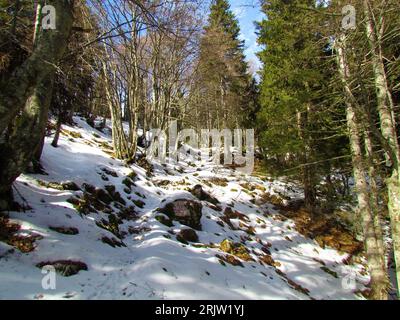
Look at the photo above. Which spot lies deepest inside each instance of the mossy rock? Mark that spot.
(132, 175)
(50, 185)
(112, 225)
(65, 230)
(187, 212)
(103, 196)
(229, 259)
(187, 235)
(83, 206)
(236, 249)
(128, 213)
(128, 183)
(139, 203)
(164, 220)
(115, 195)
(200, 194)
(73, 134)
(222, 182)
(110, 172)
(89, 188)
(112, 242)
(70, 185)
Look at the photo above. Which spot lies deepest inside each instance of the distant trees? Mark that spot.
(224, 90)
(146, 63)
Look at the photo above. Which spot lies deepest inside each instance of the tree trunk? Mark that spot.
(49, 48)
(374, 253)
(23, 138)
(307, 175)
(54, 143)
(388, 129)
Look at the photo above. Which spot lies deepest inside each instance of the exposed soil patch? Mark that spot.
(9, 234)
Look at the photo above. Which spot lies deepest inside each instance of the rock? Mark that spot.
(65, 230)
(89, 188)
(236, 249)
(229, 259)
(187, 212)
(112, 242)
(110, 172)
(115, 195)
(70, 185)
(66, 268)
(139, 203)
(188, 235)
(230, 214)
(164, 220)
(227, 246)
(200, 194)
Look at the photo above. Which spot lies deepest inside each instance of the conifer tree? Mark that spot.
(223, 79)
(295, 79)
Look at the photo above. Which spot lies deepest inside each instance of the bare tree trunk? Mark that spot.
(388, 129)
(54, 143)
(308, 178)
(374, 253)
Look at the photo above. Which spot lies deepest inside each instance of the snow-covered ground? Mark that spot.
(153, 264)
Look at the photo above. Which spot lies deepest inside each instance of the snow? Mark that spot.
(154, 265)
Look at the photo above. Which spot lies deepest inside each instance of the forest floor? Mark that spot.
(109, 240)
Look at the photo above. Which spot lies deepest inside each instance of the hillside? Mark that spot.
(113, 227)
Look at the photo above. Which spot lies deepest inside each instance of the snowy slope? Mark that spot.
(153, 264)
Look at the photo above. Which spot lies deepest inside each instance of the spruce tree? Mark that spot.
(294, 117)
(223, 80)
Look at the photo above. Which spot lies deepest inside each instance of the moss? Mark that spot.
(229, 259)
(111, 225)
(132, 175)
(82, 206)
(236, 249)
(222, 182)
(128, 213)
(139, 203)
(8, 234)
(164, 220)
(73, 134)
(50, 185)
(181, 239)
(140, 195)
(128, 182)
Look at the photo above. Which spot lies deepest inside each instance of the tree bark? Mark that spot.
(374, 251)
(23, 138)
(49, 48)
(388, 129)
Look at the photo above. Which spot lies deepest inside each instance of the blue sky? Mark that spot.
(248, 11)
